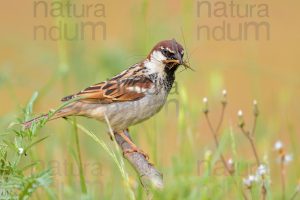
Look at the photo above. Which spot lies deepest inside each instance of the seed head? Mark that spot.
(278, 146)
(224, 98)
(255, 108)
(230, 164)
(262, 170)
(224, 92)
(205, 105)
(240, 113)
(20, 150)
(287, 158)
(241, 118)
(250, 180)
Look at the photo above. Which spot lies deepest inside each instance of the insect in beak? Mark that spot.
(186, 66)
(178, 62)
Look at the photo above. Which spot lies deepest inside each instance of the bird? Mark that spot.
(130, 97)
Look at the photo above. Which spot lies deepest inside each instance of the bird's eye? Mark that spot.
(165, 52)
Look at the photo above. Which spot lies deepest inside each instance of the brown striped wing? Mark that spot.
(128, 89)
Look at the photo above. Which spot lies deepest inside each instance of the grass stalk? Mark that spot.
(295, 194)
(81, 173)
(111, 153)
(282, 176)
(121, 160)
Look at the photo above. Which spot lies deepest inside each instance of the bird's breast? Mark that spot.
(124, 114)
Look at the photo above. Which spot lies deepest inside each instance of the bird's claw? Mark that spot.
(136, 150)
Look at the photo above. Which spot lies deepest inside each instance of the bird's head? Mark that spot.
(166, 55)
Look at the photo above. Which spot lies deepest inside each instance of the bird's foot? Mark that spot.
(136, 150)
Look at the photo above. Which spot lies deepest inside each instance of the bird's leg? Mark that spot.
(133, 148)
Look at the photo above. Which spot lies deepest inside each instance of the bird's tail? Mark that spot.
(67, 111)
(28, 124)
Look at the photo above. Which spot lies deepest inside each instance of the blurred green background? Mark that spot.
(178, 137)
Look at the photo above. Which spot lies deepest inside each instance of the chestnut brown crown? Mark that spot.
(171, 49)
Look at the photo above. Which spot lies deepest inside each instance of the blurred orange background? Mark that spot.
(265, 70)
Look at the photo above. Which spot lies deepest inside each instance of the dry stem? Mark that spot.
(295, 194)
(250, 136)
(215, 136)
(282, 174)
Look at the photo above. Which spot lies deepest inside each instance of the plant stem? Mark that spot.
(254, 126)
(217, 143)
(282, 174)
(221, 117)
(264, 191)
(111, 153)
(250, 139)
(125, 174)
(295, 194)
(215, 136)
(82, 179)
(250, 136)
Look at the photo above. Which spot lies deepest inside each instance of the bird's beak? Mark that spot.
(179, 58)
(176, 60)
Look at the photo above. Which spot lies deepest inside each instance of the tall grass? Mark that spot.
(222, 170)
(181, 146)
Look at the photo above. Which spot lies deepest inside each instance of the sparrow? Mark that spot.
(131, 97)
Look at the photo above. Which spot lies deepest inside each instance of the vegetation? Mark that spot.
(206, 147)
